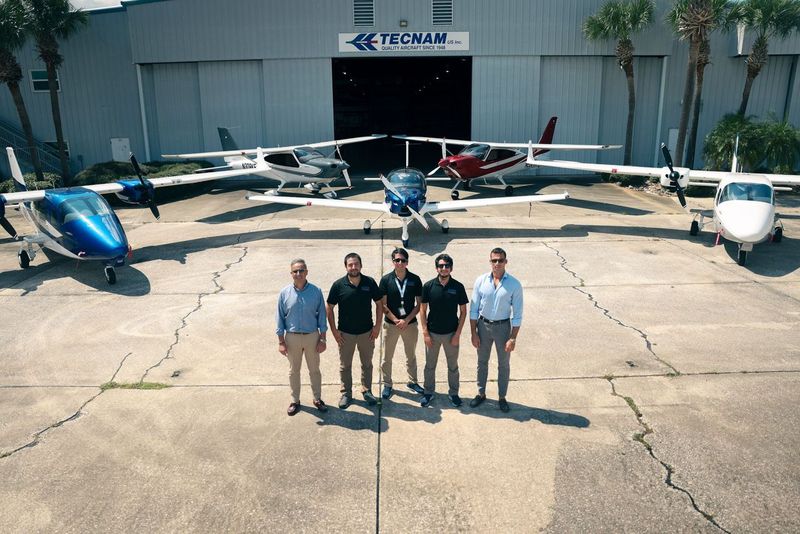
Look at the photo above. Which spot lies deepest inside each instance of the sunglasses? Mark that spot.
(444, 266)
(298, 271)
(498, 260)
(400, 260)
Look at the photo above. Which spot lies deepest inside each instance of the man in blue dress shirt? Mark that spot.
(495, 317)
(301, 326)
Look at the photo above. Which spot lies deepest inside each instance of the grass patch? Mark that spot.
(133, 385)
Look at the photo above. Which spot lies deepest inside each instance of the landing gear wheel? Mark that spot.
(509, 190)
(454, 195)
(405, 242)
(24, 259)
(111, 275)
(742, 257)
(445, 226)
(694, 228)
(367, 227)
(777, 235)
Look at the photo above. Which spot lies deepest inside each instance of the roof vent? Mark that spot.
(364, 12)
(442, 12)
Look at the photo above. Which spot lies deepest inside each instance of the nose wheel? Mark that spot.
(111, 275)
(24, 259)
(367, 226)
(509, 190)
(742, 257)
(454, 195)
(445, 226)
(777, 235)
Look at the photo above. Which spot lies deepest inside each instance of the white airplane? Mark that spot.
(744, 203)
(300, 164)
(405, 197)
(487, 159)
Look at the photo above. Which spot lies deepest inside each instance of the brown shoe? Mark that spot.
(319, 404)
(293, 408)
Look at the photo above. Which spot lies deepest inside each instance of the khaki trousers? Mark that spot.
(366, 347)
(391, 335)
(296, 346)
(431, 359)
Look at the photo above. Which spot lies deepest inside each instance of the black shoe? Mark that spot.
(504, 407)
(370, 398)
(320, 405)
(345, 401)
(474, 403)
(425, 401)
(416, 388)
(455, 400)
(293, 408)
(386, 393)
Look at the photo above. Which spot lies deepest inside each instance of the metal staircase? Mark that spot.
(14, 137)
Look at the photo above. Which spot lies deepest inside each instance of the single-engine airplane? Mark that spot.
(300, 164)
(405, 197)
(744, 203)
(486, 160)
(77, 222)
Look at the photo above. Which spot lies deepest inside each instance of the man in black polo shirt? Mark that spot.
(353, 294)
(401, 291)
(442, 313)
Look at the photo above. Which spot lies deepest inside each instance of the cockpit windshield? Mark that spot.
(475, 150)
(403, 178)
(82, 207)
(305, 154)
(746, 191)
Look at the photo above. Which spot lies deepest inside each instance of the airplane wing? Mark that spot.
(493, 144)
(327, 202)
(451, 205)
(696, 177)
(274, 150)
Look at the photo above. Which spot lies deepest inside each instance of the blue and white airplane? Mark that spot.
(405, 197)
(77, 222)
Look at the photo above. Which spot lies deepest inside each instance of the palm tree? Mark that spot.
(768, 18)
(48, 21)
(620, 20)
(12, 37)
(694, 21)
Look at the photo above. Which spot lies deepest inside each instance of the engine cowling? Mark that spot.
(668, 182)
(134, 192)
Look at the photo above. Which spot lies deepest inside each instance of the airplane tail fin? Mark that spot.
(226, 139)
(547, 136)
(16, 172)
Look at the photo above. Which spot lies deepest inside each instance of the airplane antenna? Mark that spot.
(735, 159)
(407, 145)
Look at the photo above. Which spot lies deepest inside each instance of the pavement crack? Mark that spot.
(198, 306)
(37, 436)
(641, 437)
(607, 313)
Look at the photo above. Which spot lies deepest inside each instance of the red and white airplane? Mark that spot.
(493, 160)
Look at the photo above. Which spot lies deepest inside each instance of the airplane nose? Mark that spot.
(746, 221)
(444, 162)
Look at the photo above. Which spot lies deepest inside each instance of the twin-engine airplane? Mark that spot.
(300, 164)
(744, 203)
(405, 197)
(493, 160)
(77, 222)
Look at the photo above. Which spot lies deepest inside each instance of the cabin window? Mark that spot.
(284, 159)
(746, 191)
(499, 154)
(475, 150)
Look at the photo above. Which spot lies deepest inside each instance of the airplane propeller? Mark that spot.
(414, 213)
(673, 175)
(151, 202)
(344, 171)
(4, 222)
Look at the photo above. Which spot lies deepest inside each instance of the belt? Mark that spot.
(302, 333)
(487, 321)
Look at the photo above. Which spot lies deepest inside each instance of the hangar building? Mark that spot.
(159, 76)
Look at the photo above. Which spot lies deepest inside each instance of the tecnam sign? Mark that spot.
(373, 42)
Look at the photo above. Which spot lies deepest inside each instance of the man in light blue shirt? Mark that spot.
(301, 327)
(495, 317)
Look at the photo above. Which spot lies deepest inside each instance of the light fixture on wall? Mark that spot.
(403, 23)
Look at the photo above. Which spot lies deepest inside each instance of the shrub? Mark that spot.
(111, 171)
(769, 146)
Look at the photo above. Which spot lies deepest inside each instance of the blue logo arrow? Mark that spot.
(364, 41)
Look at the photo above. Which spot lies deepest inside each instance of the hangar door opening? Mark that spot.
(429, 96)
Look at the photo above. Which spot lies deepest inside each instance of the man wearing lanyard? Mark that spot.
(301, 328)
(353, 294)
(401, 291)
(442, 313)
(495, 318)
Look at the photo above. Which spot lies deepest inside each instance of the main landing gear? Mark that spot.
(367, 226)
(24, 259)
(742, 257)
(777, 234)
(694, 228)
